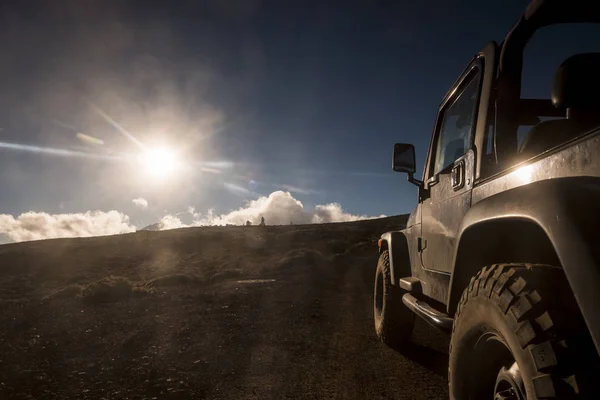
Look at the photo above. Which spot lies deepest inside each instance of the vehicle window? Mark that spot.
(523, 130)
(540, 61)
(540, 64)
(456, 128)
(489, 140)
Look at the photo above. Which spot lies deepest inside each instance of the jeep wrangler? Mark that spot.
(501, 251)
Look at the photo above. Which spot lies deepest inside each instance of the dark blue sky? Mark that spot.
(303, 94)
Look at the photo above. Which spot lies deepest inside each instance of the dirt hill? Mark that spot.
(212, 312)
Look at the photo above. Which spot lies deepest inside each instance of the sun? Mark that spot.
(159, 162)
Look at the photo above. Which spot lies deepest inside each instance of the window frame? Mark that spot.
(475, 70)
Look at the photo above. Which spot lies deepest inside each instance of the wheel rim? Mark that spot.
(379, 293)
(509, 384)
(496, 373)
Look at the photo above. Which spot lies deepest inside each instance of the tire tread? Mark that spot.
(396, 320)
(521, 292)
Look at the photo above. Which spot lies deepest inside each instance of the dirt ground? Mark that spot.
(206, 313)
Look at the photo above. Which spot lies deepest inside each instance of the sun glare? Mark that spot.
(525, 174)
(159, 162)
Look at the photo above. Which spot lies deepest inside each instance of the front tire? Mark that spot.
(518, 334)
(394, 322)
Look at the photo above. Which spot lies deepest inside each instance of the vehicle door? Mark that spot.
(449, 173)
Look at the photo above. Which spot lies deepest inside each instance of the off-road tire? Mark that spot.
(394, 322)
(530, 308)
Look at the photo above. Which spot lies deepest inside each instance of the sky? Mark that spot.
(116, 115)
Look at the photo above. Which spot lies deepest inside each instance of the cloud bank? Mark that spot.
(39, 225)
(279, 208)
(140, 202)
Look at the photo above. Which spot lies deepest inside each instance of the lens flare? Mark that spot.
(89, 139)
(58, 152)
(114, 123)
(211, 170)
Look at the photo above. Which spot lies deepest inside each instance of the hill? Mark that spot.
(209, 312)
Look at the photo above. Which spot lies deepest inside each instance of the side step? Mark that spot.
(410, 284)
(432, 316)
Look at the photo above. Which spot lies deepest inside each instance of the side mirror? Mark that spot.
(404, 158)
(404, 161)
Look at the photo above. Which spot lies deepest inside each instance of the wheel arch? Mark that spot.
(495, 241)
(551, 222)
(396, 243)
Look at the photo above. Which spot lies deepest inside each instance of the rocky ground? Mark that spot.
(206, 313)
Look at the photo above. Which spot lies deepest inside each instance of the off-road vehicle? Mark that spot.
(502, 250)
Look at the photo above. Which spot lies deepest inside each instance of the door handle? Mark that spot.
(458, 175)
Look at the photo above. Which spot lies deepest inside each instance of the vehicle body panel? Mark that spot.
(576, 158)
(414, 217)
(405, 261)
(442, 213)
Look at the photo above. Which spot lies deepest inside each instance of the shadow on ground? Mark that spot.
(434, 360)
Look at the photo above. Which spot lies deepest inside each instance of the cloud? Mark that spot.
(39, 225)
(333, 212)
(239, 190)
(279, 208)
(299, 190)
(171, 222)
(140, 202)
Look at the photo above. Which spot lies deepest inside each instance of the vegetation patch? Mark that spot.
(67, 292)
(172, 280)
(361, 248)
(112, 289)
(302, 257)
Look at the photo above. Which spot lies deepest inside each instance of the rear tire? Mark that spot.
(518, 334)
(394, 322)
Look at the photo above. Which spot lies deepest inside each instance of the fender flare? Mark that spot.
(396, 243)
(567, 211)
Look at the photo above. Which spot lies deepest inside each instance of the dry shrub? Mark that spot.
(111, 289)
(67, 292)
(361, 248)
(106, 290)
(336, 246)
(300, 257)
(172, 280)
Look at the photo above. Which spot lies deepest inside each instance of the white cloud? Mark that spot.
(299, 190)
(240, 190)
(333, 212)
(171, 222)
(39, 225)
(140, 202)
(279, 208)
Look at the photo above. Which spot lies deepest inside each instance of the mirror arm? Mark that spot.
(423, 193)
(414, 181)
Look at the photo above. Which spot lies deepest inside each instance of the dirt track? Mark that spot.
(193, 322)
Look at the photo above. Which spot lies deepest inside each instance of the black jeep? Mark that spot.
(501, 250)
